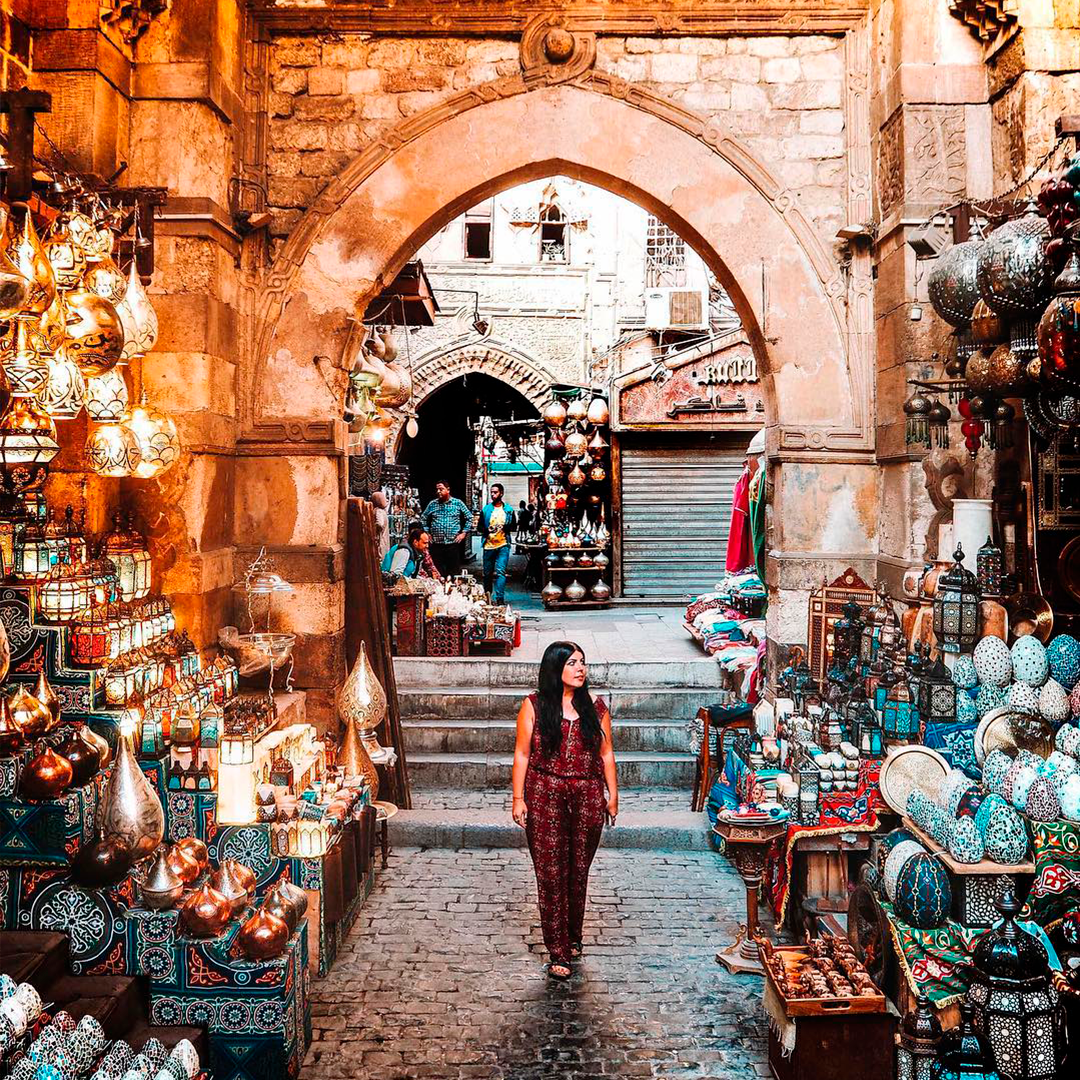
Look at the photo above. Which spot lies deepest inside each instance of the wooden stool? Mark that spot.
(703, 776)
(384, 811)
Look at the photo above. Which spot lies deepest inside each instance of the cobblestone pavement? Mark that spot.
(656, 798)
(442, 976)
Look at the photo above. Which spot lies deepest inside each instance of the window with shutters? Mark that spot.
(478, 232)
(553, 239)
(665, 256)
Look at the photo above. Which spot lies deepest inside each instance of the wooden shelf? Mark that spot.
(986, 866)
(571, 569)
(577, 603)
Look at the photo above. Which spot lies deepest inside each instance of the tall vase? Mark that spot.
(355, 760)
(973, 522)
(130, 809)
(5, 652)
(363, 701)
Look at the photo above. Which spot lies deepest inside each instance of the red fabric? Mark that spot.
(740, 549)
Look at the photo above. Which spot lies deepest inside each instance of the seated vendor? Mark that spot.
(412, 558)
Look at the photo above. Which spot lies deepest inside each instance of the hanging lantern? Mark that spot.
(964, 1054)
(111, 450)
(870, 638)
(64, 393)
(952, 286)
(555, 414)
(34, 556)
(24, 365)
(937, 694)
(917, 410)
(990, 567)
(987, 327)
(899, 713)
(14, 288)
(1058, 333)
(83, 231)
(66, 593)
(1016, 1003)
(977, 373)
(33, 264)
(67, 258)
(938, 422)
(598, 414)
(105, 278)
(576, 476)
(1014, 275)
(956, 607)
(95, 335)
(1008, 372)
(598, 474)
(597, 445)
(107, 396)
(138, 317)
(158, 442)
(577, 411)
(917, 1041)
(27, 445)
(576, 445)
(127, 551)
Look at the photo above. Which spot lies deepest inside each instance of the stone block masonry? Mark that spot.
(781, 96)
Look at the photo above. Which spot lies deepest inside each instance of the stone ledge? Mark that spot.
(82, 50)
(193, 80)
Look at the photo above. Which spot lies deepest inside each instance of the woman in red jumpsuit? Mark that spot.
(563, 762)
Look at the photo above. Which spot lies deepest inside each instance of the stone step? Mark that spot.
(502, 703)
(491, 770)
(497, 736)
(656, 830)
(420, 672)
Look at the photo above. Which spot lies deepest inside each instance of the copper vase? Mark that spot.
(205, 913)
(33, 718)
(45, 694)
(82, 758)
(130, 809)
(94, 740)
(194, 847)
(295, 896)
(11, 736)
(277, 904)
(183, 865)
(224, 881)
(362, 700)
(45, 776)
(355, 760)
(263, 936)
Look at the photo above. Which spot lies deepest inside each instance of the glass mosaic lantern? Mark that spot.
(66, 593)
(900, 713)
(963, 1053)
(956, 607)
(870, 638)
(809, 792)
(1015, 1001)
(864, 725)
(937, 695)
(847, 634)
(882, 686)
(917, 1041)
(34, 555)
(989, 568)
(125, 549)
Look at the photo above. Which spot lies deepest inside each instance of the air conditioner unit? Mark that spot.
(676, 309)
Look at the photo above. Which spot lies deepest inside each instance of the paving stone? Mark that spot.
(442, 975)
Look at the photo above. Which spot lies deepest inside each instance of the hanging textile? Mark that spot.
(740, 553)
(757, 520)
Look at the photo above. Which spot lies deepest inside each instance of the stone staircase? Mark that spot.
(458, 720)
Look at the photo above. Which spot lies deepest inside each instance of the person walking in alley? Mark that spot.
(563, 762)
(447, 520)
(496, 522)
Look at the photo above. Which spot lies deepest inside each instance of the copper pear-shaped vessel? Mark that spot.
(45, 776)
(82, 758)
(94, 740)
(31, 715)
(193, 846)
(244, 874)
(226, 883)
(355, 760)
(263, 936)
(11, 736)
(277, 904)
(183, 865)
(161, 888)
(130, 808)
(205, 913)
(362, 698)
(295, 896)
(45, 694)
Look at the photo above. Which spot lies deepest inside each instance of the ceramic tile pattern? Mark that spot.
(442, 976)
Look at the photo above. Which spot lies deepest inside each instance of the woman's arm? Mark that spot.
(525, 721)
(607, 757)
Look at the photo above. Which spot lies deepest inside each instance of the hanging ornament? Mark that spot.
(576, 476)
(105, 278)
(83, 231)
(952, 283)
(597, 446)
(1008, 374)
(555, 414)
(99, 243)
(598, 474)
(24, 365)
(65, 255)
(112, 450)
(555, 447)
(14, 288)
(27, 445)
(107, 395)
(96, 337)
(917, 410)
(987, 327)
(970, 428)
(31, 261)
(977, 373)
(983, 409)
(576, 444)
(50, 333)
(577, 411)
(1014, 275)
(64, 393)
(1059, 328)
(412, 427)
(938, 421)
(156, 438)
(138, 318)
(598, 413)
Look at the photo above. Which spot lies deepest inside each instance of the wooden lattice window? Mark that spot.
(665, 256)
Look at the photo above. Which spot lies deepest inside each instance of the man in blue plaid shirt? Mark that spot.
(448, 520)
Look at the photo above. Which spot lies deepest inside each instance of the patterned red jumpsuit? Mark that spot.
(564, 794)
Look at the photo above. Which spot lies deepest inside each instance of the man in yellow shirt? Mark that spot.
(496, 522)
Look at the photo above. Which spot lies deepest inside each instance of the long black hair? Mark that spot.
(550, 699)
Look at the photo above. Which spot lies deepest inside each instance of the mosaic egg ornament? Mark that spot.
(952, 790)
(1057, 763)
(887, 843)
(996, 765)
(993, 662)
(1042, 803)
(1018, 781)
(1005, 836)
(923, 893)
(899, 855)
(1068, 793)
(1029, 661)
(988, 699)
(920, 808)
(965, 844)
(940, 826)
(1023, 698)
(1067, 740)
(966, 713)
(1074, 702)
(964, 673)
(982, 816)
(7, 986)
(1053, 702)
(48, 1072)
(1063, 656)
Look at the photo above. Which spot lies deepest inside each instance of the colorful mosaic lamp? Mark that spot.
(900, 713)
(956, 607)
(964, 1054)
(989, 568)
(126, 550)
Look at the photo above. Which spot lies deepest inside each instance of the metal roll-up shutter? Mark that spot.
(676, 514)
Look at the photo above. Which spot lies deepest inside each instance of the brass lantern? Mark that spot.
(24, 364)
(34, 556)
(126, 550)
(158, 443)
(33, 263)
(111, 450)
(66, 593)
(956, 607)
(95, 334)
(64, 393)
(937, 694)
(138, 318)
(363, 702)
(27, 445)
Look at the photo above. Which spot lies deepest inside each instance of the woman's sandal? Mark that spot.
(560, 970)
(576, 949)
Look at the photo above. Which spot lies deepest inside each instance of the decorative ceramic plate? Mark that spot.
(1006, 729)
(909, 768)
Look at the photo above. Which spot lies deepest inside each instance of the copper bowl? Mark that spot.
(1029, 613)
(183, 865)
(263, 936)
(193, 846)
(45, 776)
(205, 913)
